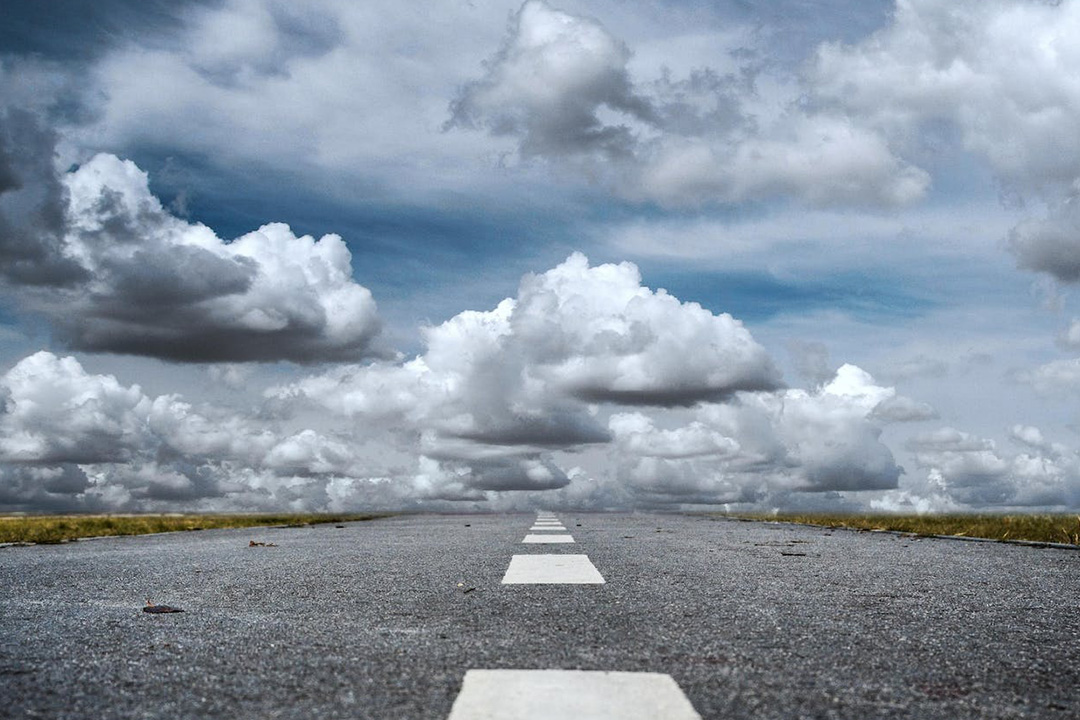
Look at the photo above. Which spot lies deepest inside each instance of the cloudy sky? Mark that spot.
(261, 255)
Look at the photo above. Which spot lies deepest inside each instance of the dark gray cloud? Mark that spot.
(528, 473)
(1051, 245)
(678, 395)
(182, 338)
(126, 276)
(33, 203)
(903, 409)
(46, 488)
(180, 276)
(554, 429)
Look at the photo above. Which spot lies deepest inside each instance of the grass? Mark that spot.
(61, 528)
(1035, 528)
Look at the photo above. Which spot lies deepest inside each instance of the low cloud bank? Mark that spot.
(73, 440)
(964, 470)
(586, 389)
(584, 364)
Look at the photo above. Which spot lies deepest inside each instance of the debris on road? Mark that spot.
(465, 590)
(150, 607)
(253, 543)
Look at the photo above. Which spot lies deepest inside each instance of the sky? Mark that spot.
(487, 255)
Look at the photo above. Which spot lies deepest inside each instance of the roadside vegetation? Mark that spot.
(1034, 528)
(61, 528)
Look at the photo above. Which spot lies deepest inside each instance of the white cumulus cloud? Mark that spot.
(975, 472)
(1002, 74)
(124, 275)
(762, 445)
(497, 391)
(69, 438)
(704, 139)
(548, 83)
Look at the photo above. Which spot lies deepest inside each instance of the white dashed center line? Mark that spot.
(548, 539)
(570, 695)
(552, 570)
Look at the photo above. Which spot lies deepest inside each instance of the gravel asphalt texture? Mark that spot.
(381, 619)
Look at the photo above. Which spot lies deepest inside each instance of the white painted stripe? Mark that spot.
(552, 570)
(547, 522)
(544, 527)
(548, 539)
(570, 695)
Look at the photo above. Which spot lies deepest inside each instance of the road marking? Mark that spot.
(548, 539)
(548, 522)
(552, 570)
(545, 527)
(570, 695)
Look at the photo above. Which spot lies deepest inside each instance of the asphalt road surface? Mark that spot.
(383, 619)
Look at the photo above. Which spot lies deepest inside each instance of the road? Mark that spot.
(383, 619)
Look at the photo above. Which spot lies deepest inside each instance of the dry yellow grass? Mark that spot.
(1034, 528)
(60, 528)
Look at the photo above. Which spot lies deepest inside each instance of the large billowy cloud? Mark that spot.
(762, 445)
(32, 205)
(559, 78)
(497, 393)
(1001, 74)
(95, 251)
(851, 129)
(548, 83)
(496, 390)
(70, 439)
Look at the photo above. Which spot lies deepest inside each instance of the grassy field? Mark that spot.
(60, 528)
(1035, 528)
